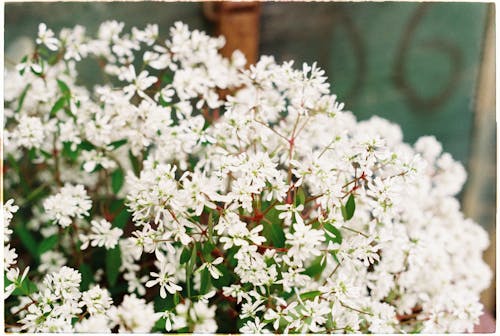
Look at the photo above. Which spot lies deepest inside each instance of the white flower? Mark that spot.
(51, 261)
(70, 202)
(289, 211)
(215, 154)
(94, 324)
(140, 82)
(304, 242)
(165, 278)
(29, 133)
(201, 315)
(102, 234)
(46, 37)
(97, 300)
(173, 321)
(211, 267)
(9, 257)
(133, 315)
(254, 327)
(13, 276)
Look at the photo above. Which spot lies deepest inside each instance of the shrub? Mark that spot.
(189, 193)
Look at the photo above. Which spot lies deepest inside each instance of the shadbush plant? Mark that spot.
(188, 193)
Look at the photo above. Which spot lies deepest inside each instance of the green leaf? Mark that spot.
(118, 143)
(159, 326)
(135, 163)
(177, 299)
(332, 233)
(23, 60)
(225, 279)
(348, 209)
(192, 260)
(113, 263)
(116, 205)
(27, 239)
(35, 193)
(189, 270)
(309, 295)
(58, 105)
(167, 78)
(207, 248)
(87, 276)
(21, 98)
(316, 268)
(300, 197)
(47, 244)
(163, 102)
(121, 219)
(274, 232)
(86, 145)
(68, 152)
(185, 255)
(117, 179)
(64, 89)
(204, 281)
(27, 287)
(13, 163)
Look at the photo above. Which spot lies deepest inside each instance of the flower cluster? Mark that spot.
(210, 196)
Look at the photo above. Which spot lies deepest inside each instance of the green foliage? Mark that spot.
(59, 104)
(117, 179)
(135, 163)
(47, 244)
(64, 89)
(316, 267)
(225, 279)
(118, 143)
(272, 230)
(22, 97)
(113, 263)
(121, 219)
(205, 281)
(185, 255)
(349, 208)
(87, 276)
(27, 239)
(309, 295)
(332, 233)
(26, 287)
(300, 196)
(68, 153)
(190, 268)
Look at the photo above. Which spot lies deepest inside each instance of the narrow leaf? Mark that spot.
(87, 276)
(349, 208)
(57, 106)
(185, 255)
(117, 180)
(26, 238)
(47, 244)
(309, 295)
(121, 219)
(300, 197)
(113, 263)
(21, 98)
(64, 88)
(204, 281)
(332, 233)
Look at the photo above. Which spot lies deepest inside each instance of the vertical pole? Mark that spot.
(239, 23)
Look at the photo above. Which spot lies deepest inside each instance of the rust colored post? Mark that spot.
(238, 22)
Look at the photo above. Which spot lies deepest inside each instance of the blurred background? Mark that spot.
(430, 67)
